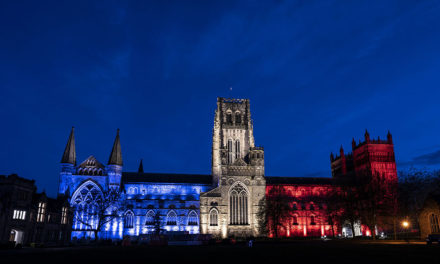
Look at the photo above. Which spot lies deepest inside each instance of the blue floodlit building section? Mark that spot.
(145, 199)
(146, 202)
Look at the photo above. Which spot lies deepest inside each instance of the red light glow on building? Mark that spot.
(308, 197)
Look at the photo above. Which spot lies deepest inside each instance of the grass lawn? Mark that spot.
(262, 252)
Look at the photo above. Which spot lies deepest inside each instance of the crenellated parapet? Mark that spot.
(368, 140)
(371, 156)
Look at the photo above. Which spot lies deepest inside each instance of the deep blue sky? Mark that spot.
(317, 74)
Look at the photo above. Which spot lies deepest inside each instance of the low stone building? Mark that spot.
(429, 216)
(29, 217)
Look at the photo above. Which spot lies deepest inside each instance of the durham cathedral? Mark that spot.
(229, 202)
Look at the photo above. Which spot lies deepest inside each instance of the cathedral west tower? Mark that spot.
(232, 207)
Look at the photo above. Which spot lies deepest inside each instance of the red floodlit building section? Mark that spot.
(308, 214)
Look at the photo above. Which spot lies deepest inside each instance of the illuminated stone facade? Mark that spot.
(144, 200)
(226, 203)
(232, 207)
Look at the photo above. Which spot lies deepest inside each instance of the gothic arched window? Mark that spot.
(150, 218)
(128, 220)
(238, 205)
(193, 219)
(213, 217)
(88, 193)
(433, 220)
(84, 201)
(171, 218)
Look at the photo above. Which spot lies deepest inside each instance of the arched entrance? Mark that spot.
(17, 236)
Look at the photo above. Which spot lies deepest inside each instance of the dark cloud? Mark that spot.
(432, 158)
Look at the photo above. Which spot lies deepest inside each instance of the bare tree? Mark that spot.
(349, 205)
(158, 225)
(376, 200)
(414, 187)
(103, 210)
(331, 204)
(277, 209)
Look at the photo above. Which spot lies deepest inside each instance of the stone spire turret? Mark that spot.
(141, 167)
(69, 155)
(116, 155)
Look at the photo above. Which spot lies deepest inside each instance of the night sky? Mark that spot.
(317, 73)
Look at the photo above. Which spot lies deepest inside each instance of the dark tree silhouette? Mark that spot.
(414, 187)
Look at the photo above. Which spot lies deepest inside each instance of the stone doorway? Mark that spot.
(16, 236)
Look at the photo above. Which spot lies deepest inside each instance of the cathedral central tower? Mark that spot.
(237, 172)
(233, 137)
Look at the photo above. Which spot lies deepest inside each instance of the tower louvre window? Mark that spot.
(229, 118)
(237, 118)
(230, 157)
(237, 149)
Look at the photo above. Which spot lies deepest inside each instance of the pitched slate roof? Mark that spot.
(299, 180)
(133, 177)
